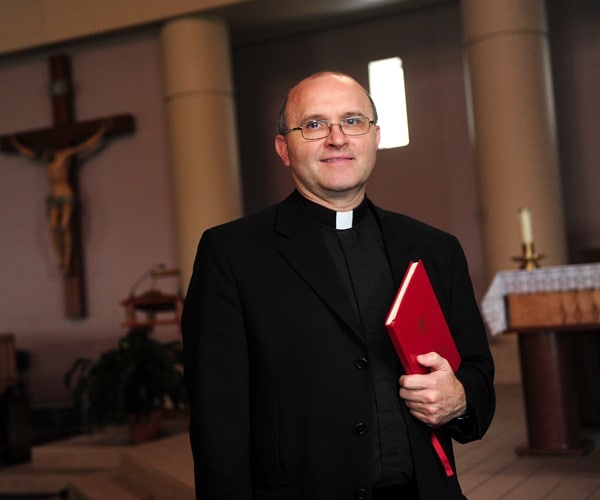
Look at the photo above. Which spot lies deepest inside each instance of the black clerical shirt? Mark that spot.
(359, 255)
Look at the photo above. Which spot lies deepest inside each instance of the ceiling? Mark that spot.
(41, 23)
(260, 19)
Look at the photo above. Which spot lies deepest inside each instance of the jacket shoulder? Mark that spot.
(249, 223)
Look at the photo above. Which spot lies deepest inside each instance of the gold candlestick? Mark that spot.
(529, 259)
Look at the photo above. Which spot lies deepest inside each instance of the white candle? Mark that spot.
(526, 234)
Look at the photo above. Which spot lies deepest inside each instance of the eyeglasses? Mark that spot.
(312, 130)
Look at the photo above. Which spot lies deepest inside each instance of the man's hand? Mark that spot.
(434, 398)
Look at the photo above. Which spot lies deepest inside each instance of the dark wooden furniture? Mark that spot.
(154, 306)
(543, 322)
(15, 421)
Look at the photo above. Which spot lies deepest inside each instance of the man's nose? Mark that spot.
(337, 136)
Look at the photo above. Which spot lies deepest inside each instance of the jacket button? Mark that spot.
(360, 429)
(360, 494)
(361, 363)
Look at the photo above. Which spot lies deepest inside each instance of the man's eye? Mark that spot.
(314, 125)
(353, 121)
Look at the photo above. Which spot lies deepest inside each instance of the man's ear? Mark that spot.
(282, 149)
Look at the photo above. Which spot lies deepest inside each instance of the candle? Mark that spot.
(525, 216)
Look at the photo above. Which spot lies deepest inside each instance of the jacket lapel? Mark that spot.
(302, 246)
(399, 244)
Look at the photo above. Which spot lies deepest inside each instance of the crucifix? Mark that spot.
(57, 147)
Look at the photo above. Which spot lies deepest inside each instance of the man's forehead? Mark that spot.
(324, 83)
(326, 94)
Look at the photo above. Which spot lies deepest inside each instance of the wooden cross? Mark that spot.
(58, 147)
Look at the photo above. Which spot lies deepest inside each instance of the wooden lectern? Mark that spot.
(151, 304)
(547, 308)
(542, 322)
(154, 302)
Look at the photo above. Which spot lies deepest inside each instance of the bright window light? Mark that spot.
(386, 85)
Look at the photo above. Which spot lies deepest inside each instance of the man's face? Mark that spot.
(332, 171)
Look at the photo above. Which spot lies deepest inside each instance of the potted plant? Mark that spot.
(132, 383)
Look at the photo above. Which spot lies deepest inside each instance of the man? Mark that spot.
(295, 389)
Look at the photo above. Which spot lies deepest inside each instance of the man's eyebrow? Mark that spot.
(313, 117)
(354, 113)
(317, 116)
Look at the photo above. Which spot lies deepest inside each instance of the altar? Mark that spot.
(544, 307)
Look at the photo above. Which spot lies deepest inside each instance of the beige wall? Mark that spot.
(128, 212)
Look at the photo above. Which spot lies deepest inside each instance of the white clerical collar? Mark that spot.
(343, 220)
(332, 219)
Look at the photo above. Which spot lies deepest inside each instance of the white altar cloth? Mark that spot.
(545, 279)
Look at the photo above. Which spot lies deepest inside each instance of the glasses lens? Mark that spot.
(319, 129)
(315, 129)
(355, 125)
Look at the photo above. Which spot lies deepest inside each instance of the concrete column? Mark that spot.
(514, 127)
(201, 130)
(516, 150)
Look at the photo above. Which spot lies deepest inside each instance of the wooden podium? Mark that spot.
(543, 322)
(151, 304)
(548, 309)
(154, 303)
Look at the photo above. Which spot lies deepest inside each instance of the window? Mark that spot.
(386, 86)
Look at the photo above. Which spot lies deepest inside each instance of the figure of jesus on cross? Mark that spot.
(61, 199)
(57, 147)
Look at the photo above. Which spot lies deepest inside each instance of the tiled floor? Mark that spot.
(490, 469)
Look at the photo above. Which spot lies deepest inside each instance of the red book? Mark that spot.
(416, 323)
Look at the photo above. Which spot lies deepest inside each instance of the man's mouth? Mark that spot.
(337, 159)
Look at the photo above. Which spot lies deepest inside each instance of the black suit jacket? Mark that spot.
(272, 364)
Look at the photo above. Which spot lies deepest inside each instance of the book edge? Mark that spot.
(412, 267)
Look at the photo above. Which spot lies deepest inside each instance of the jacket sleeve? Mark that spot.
(476, 372)
(216, 372)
